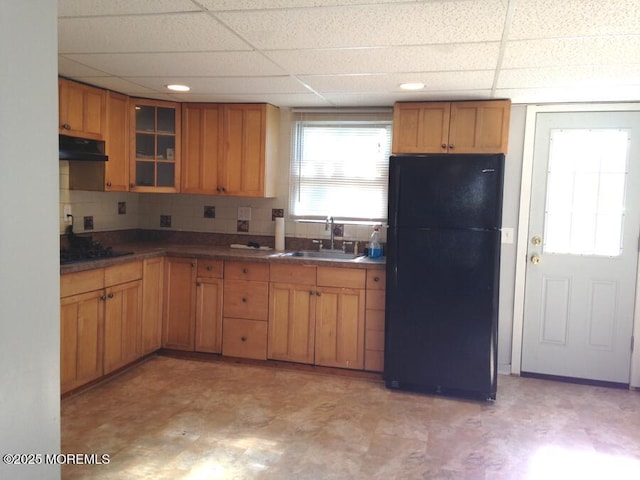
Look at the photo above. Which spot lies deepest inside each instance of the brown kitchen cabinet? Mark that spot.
(155, 146)
(292, 309)
(208, 311)
(374, 321)
(112, 175)
(202, 148)
(100, 312)
(178, 326)
(340, 315)
(451, 127)
(245, 309)
(81, 110)
(152, 297)
(229, 149)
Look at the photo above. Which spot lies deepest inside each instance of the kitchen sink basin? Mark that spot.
(322, 254)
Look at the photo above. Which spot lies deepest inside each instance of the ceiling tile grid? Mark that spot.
(355, 52)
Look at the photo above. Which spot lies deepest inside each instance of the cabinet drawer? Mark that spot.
(126, 272)
(297, 274)
(244, 338)
(80, 282)
(248, 300)
(210, 268)
(375, 299)
(341, 277)
(246, 271)
(376, 279)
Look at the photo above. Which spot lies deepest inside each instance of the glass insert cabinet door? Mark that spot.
(155, 145)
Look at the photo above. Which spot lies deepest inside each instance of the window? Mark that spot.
(340, 165)
(585, 193)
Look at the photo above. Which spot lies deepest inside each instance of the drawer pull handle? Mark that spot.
(243, 338)
(244, 299)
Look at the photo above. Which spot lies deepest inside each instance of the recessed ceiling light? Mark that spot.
(412, 86)
(179, 88)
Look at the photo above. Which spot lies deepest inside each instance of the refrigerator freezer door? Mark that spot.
(442, 308)
(446, 191)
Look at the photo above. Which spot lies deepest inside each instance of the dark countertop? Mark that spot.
(142, 251)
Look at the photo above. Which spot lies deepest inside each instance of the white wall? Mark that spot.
(29, 282)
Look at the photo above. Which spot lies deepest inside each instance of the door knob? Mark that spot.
(536, 240)
(535, 259)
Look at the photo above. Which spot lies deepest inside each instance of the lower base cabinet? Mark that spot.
(122, 322)
(152, 288)
(208, 311)
(244, 338)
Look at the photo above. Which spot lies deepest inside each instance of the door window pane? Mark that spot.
(586, 182)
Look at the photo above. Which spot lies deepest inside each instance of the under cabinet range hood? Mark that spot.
(82, 149)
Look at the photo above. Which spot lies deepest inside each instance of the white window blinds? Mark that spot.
(340, 165)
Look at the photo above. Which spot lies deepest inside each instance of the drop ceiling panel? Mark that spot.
(388, 99)
(67, 8)
(277, 4)
(281, 100)
(391, 82)
(415, 58)
(74, 69)
(370, 25)
(226, 85)
(146, 33)
(575, 76)
(181, 64)
(574, 94)
(572, 51)
(567, 18)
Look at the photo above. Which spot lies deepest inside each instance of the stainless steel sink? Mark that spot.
(327, 254)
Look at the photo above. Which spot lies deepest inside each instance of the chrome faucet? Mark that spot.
(329, 224)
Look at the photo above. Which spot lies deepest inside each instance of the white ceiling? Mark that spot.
(355, 52)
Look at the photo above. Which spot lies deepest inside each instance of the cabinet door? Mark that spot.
(81, 110)
(243, 170)
(122, 322)
(81, 330)
(208, 315)
(479, 127)
(179, 302)
(155, 146)
(152, 284)
(291, 322)
(420, 127)
(340, 327)
(117, 143)
(201, 148)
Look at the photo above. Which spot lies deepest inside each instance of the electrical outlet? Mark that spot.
(66, 214)
(244, 213)
(507, 235)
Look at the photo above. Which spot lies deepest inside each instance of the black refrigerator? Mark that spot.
(443, 266)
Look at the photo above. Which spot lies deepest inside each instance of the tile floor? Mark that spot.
(174, 419)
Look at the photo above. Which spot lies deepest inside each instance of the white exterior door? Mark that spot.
(583, 246)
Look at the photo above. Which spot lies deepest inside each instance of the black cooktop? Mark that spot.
(84, 249)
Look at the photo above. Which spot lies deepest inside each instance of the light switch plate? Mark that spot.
(244, 213)
(66, 212)
(507, 235)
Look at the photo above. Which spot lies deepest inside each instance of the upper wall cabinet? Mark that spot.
(451, 127)
(155, 146)
(81, 110)
(230, 149)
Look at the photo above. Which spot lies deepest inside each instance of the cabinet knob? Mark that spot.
(209, 268)
(224, 190)
(193, 264)
(376, 279)
(103, 298)
(244, 299)
(243, 338)
(451, 146)
(132, 185)
(318, 294)
(444, 145)
(108, 184)
(110, 295)
(245, 270)
(198, 284)
(218, 189)
(66, 126)
(311, 292)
